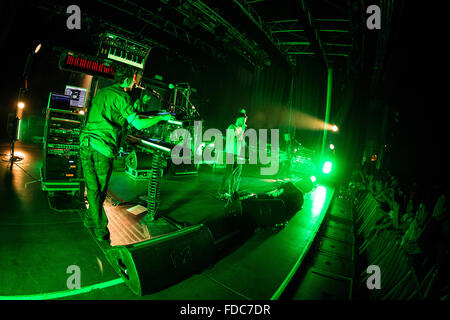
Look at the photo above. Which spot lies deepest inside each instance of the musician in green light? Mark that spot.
(108, 115)
(233, 150)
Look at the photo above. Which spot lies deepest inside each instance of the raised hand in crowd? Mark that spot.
(440, 207)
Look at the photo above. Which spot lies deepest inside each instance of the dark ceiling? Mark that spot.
(259, 31)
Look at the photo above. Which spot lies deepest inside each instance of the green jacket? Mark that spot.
(110, 109)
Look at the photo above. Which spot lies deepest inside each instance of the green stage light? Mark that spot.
(332, 146)
(313, 178)
(318, 200)
(327, 167)
(18, 129)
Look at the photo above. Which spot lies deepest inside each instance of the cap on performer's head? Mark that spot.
(241, 114)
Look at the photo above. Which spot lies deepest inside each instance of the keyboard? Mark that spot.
(123, 50)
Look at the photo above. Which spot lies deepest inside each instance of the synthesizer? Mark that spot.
(123, 50)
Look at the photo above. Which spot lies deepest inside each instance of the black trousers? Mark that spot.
(97, 170)
(231, 178)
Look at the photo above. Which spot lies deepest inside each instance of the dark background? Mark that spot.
(412, 87)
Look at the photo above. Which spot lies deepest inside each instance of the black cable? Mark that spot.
(26, 172)
(48, 198)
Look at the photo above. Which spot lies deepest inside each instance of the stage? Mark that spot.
(39, 244)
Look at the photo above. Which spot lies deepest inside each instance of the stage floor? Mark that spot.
(38, 245)
(185, 201)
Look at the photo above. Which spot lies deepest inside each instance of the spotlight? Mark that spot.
(332, 146)
(21, 105)
(19, 154)
(335, 128)
(313, 179)
(38, 47)
(327, 167)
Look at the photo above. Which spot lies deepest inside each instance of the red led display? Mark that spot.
(87, 66)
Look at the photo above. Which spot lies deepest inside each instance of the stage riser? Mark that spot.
(153, 265)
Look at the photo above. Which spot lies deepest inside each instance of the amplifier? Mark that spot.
(61, 175)
(67, 132)
(63, 146)
(69, 162)
(62, 152)
(61, 138)
(66, 121)
(61, 168)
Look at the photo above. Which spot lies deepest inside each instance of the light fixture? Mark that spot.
(327, 167)
(332, 146)
(38, 47)
(21, 105)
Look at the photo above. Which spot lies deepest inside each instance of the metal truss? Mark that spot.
(291, 37)
(301, 36)
(147, 16)
(209, 20)
(91, 20)
(245, 47)
(196, 10)
(251, 13)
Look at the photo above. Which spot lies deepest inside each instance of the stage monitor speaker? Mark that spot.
(152, 265)
(274, 207)
(292, 197)
(264, 212)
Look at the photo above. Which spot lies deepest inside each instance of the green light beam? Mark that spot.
(66, 293)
